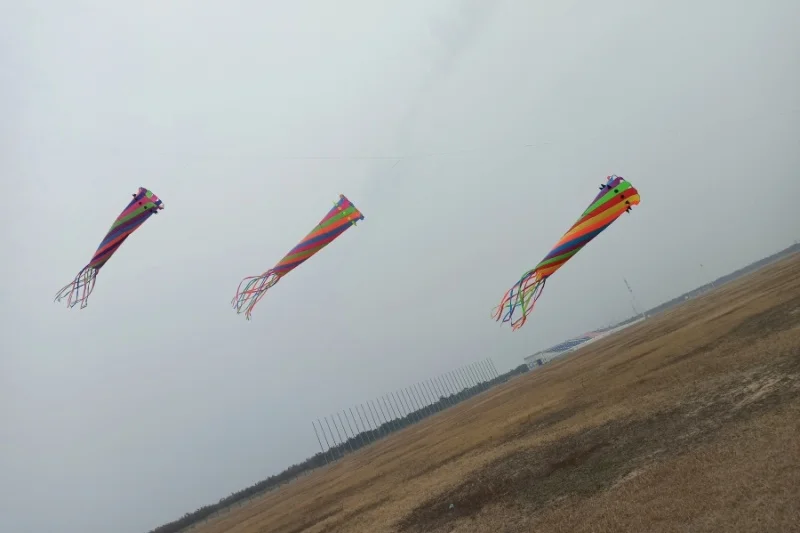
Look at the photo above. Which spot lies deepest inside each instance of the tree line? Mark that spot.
(334, 453)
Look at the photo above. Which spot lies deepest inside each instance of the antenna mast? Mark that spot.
(633, 300)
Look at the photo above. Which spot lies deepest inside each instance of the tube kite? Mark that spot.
(143, 205)
(251, 289)
(616, 196)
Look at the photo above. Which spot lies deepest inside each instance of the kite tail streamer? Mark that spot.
(79, 289)
(251, 290)
(523, 295)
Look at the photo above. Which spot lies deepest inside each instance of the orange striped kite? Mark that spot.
(616, 196)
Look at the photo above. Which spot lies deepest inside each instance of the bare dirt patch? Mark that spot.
(597, 458)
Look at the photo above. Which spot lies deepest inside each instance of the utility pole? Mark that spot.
(705, 275)
(485, 365)
(437, 388)
(401, 408)
(325, 455)
(435, 406)
(470, 378)
(376, 419)
(369, 437)
(413, 411)
(455, 385)
(460, 379)
(338, 447)
(359, 432)
(349, 444)
(429, 399)
(444, 385)
(351, 427)
(633, 299)
(327, 444)
(441, 390)
(425, 400)
(476, 367)
(383, 410)
(387, 405)
(376, 404)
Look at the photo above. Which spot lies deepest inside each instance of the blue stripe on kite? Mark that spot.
(316, 240)
(571, 244)
(128, 227)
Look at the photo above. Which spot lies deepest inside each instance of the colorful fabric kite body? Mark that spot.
(616, 196)
(143, 205)
(251, 289)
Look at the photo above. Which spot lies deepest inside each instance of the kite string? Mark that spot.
(508, 145)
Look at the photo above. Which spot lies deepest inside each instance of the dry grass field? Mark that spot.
(689, 421)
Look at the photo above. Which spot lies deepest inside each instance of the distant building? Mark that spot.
(545, 356)
(540, 358)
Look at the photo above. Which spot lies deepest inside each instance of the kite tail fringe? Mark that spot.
(78, 290)
(251, 290)
(523, 296)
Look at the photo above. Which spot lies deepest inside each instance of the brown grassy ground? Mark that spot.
(689, 421)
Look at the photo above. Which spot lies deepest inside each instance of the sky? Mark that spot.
(471, 135)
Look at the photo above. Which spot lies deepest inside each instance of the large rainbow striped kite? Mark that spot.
(616, 196)
(143, 205)
(343, 215)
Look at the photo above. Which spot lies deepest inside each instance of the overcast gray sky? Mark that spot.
(158, 398)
